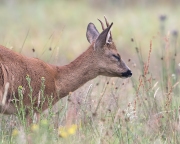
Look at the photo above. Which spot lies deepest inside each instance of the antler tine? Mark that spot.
(101, 24)
(107, 24)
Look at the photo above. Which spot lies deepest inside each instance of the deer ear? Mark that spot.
(104, 37)
(92, 33)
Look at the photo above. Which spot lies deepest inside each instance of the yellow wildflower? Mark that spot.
(62, 132)
(15, 132)
(34, 127)
(72, 129)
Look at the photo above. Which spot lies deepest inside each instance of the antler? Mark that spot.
(101, 24)
(107, 24)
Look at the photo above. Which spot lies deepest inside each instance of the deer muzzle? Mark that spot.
(127, 74)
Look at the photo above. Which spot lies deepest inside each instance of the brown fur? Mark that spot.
(59, 80)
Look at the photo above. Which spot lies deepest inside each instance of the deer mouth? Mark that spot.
(126, 74)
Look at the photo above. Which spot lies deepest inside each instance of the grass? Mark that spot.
(142, 109)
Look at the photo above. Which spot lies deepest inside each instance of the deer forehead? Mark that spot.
(111, 48)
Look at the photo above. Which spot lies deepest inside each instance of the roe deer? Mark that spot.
(101, 58)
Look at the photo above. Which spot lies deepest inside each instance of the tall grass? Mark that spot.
(96, 115)
(141, 109)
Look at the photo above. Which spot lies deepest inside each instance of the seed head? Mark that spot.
(33, 50)
(175, 33)
(162, 18)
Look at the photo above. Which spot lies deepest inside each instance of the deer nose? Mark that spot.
(127, 74)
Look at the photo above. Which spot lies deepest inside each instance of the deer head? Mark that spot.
(108, 59)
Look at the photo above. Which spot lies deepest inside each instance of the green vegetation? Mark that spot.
(142, 109)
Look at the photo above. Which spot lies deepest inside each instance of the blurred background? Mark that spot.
(146, 35)
(55, 31)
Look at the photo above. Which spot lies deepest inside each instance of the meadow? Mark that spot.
(143, 109)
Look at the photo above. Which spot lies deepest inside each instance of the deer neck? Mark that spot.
(70, 77)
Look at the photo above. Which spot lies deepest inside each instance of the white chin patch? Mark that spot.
(123, 77)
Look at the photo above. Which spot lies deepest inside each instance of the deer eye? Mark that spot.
(117, 57)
